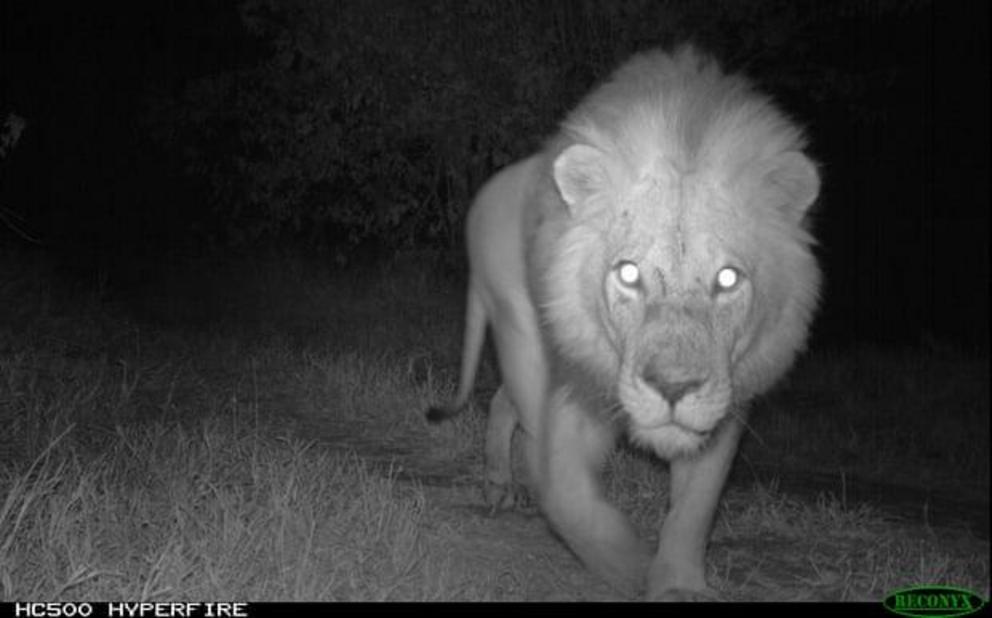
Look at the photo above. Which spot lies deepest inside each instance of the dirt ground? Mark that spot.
(514, 556)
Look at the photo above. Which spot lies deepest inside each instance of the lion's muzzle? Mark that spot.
(672, 389)
(677, 387)
(676, 358)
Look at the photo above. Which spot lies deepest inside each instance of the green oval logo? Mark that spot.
(933, 601)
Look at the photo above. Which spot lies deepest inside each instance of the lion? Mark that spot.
(649, 271)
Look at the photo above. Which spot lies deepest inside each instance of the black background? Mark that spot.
(903, 220)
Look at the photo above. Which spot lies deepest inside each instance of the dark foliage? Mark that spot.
(377, 120)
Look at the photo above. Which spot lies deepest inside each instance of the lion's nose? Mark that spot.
(672, 390)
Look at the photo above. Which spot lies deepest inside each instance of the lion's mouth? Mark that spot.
(697, 434)
(673, 424)
(668, 439)
(702, 433)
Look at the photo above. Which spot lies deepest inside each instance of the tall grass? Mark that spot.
(220, 509)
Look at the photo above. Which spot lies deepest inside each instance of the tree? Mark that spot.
(378, 119)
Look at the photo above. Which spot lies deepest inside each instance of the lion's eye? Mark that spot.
(628, 273)
(727, 280)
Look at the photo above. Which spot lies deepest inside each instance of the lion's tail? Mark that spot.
(475, 333)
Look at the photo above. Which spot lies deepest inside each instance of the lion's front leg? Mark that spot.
(678, 572)
(574, 443)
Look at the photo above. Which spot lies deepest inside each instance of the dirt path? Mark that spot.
(515, 557)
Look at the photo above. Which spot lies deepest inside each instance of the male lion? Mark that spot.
(648, 271)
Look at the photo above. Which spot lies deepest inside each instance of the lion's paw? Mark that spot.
(507, 496)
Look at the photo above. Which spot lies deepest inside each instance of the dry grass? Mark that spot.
(258, 437)
(217, 509)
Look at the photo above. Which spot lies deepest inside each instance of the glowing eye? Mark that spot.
(628, 273)
(727, 279)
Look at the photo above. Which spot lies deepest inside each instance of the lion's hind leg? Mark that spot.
(501, 490)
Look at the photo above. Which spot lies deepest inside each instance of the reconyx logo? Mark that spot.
(933, 601)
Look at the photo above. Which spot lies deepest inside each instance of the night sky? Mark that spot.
(903, 221)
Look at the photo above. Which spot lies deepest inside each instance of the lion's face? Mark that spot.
(667, 266)
(675, 301)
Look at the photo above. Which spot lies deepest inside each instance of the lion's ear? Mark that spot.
(796, 182)
(580, 173)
